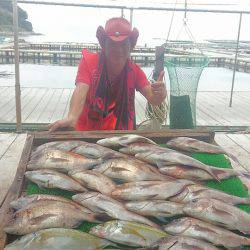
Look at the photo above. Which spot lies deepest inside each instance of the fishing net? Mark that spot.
(184, 74)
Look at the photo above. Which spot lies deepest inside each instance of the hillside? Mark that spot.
(6, 19)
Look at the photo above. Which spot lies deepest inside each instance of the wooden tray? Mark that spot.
(37, 138)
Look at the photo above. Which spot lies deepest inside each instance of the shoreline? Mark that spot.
(21, 33)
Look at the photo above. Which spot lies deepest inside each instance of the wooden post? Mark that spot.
(17, 72)
(131, 17)
(235, 61)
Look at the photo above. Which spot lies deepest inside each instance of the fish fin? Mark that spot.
(102, 217)
(39, 219)
(110, 156)
(223, 212)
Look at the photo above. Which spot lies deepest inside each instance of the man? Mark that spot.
(104, 95)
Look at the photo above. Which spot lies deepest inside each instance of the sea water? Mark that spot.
(54, 76)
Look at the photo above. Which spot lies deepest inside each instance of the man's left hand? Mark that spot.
(159, 88)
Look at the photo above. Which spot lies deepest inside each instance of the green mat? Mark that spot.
(231, 186)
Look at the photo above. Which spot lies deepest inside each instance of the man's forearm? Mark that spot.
(77, 102)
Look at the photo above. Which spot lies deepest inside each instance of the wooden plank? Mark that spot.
(38, 111)
(15, 189)
(33, 103)
(240, 109)
(61, 105)
(66, 110)
(160, 136)
(243, 157)
(8, 164)
(5, 141)
(242, 140)
(9, 110)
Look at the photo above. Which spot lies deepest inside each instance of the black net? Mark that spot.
(184, 74)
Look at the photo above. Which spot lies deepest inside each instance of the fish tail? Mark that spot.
(214, 173)
(234, 158)
(244, 201)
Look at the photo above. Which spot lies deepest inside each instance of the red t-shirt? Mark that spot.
(88, 74)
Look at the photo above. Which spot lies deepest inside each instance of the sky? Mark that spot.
(76, 24)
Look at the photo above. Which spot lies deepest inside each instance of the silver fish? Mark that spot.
(124, 140)
(101, 203)
(171, 157)
(59, 239)
(47, 214)
(59, 145)
(129, 169)
(128, 233)
(219, 213)
(145, 190)
(61, 161)
(194, 192)
(51, 179)
(182, 172)
(205, 231)
(194, 145)
(24, 201)
(95, 151)
(93, 180)
(140, 147)
(182, 243)
(155, 208)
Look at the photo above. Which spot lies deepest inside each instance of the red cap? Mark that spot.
(117, 29)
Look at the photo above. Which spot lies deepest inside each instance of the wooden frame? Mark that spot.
(38, 138)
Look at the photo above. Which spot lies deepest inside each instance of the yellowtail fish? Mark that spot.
(128, 233)
(59, 239)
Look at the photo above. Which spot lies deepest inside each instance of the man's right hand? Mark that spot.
(64, 123)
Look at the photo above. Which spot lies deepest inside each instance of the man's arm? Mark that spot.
(155, 93)
(76, 105)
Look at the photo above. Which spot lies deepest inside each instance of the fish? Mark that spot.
(196, 191)
(128, 170)
(194, 145)
(24, 201)
(171, 157)
(182, 172)
(48, 214)
(182, 243)
(59, 145)
(58, 239)
(219, 213)
(155, 208)
(95, 151)
(124, 140)
(198, 229)
(93, 180)
(140, 147)
(46, 178)
(145, 190)
(61, 161)
(128, 233)
(98, 202)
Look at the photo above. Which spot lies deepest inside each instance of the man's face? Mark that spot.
(117, 52)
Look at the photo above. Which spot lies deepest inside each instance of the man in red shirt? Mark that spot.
(106, 82)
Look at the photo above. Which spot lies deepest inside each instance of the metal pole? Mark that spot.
(235, 61)
(17, 73)
(131, 17)
(122, 12)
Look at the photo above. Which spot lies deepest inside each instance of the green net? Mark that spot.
(184, 74)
